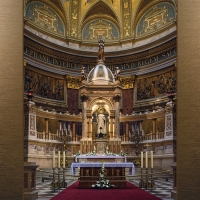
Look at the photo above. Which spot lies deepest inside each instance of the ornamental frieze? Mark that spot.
(44, 86)
(36, 47)
(74, 65)
(156, 86)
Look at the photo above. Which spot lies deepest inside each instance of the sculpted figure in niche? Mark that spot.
(101, 49)
(117, 73)
(101, 123)
(83, 74)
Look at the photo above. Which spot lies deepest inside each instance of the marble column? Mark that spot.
(30, 120)
(154, 129)
(46, 128)
(73, 131)
(60, 125)
(84, 116)
(111, 126)
(117, 123)
(89, 126)
(141, 128)
(169, 121)
(127, 131)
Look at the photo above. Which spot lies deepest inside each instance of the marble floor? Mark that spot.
(162, 189)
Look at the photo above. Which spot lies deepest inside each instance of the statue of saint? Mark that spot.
(101, 49)
(83, 74)
(101, 123)
(117, 73)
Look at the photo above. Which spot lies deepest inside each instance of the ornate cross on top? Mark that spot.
(147, 145)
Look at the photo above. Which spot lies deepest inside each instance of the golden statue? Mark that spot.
(101, 50)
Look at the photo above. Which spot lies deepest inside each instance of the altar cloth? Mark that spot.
(100, 157)
(129, 165)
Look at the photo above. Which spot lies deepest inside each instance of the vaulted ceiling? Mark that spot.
(84, 21)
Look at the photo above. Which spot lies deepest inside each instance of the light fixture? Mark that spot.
(171, 94)
(29, 94)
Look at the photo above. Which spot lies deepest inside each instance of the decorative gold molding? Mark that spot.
(127, 82)
(74, 12)
(73, 82)
(126, 16)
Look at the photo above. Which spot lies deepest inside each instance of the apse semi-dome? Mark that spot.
(100, 75)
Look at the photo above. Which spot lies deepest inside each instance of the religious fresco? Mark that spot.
(44, 86)
(100, 28)
(45, 18)
(156, 18)
(156, 86)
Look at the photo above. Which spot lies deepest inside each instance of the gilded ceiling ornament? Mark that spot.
(126, 10)
(74, 18)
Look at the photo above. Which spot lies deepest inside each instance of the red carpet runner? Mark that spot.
(130, 193)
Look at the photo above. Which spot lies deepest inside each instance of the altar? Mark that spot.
(100, 158)
(89, 172)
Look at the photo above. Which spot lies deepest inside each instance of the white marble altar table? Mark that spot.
(98, 157)
(129, 165)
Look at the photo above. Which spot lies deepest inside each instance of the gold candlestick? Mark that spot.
(59, 184)
(141, 183)
(64, 184)
(53, 183)
(146, 183)
(152, 184)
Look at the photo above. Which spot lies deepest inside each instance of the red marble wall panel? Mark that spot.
(127, 101)
(72, 100)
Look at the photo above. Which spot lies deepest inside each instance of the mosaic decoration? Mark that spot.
(156, 18)
(100, 28)
(156, 86)
(44, 86)
(44, 17)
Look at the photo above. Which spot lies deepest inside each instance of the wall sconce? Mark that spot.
(29, 95)
(171, 94)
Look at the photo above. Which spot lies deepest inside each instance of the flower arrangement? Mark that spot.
(102, 182)
(110, 154)
(79, 153)
(91, 153)
(122, 154)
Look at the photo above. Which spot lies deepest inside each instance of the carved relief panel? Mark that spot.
(156, 86)
(43, 85)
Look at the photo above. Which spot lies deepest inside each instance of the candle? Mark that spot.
(151, 159)
(94, 148)
(58, 159)
(141, 160)
(146, 159)
(53, 165)
(63, 159)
